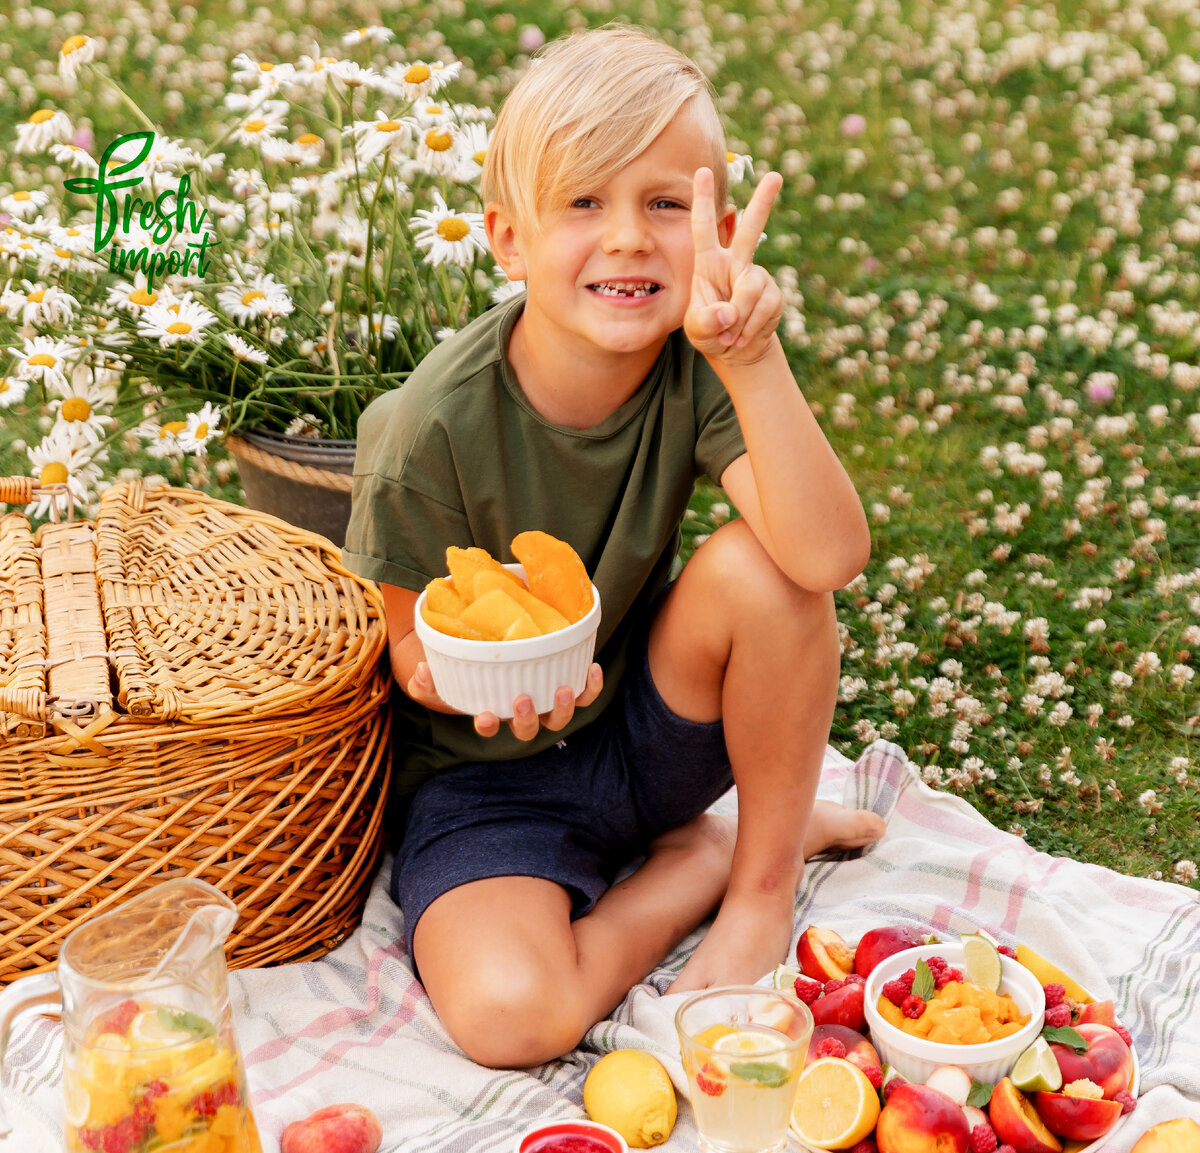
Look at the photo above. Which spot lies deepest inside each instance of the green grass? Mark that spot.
(1017, 162)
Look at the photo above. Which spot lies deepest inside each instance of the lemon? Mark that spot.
(1037, 1069)
(836, 1106)
(152, 1029)
(982, 961)
(740, 1049)
(629, 1091)
(76, 1102)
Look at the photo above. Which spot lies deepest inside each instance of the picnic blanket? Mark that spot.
(357, 1026)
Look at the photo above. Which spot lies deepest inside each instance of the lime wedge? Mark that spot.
(1036, 1070)
(981, 961)
(784, 977)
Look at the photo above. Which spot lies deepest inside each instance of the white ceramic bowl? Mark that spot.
(487, 676)
(612, 1141)
(915, 1058)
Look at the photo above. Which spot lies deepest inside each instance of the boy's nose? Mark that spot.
(626, 230)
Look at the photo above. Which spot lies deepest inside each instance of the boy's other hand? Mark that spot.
(735, 304)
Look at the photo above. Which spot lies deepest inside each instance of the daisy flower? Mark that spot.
(12, 390)
(61, 460)
(381, 325)
(411, 82)
(134, 297)
(244, 351)
(374, 32)
(313, 71)
(38, 304)
(447, 236)
(75, 52)
(24, 203)
(739, 166)
(75, 157)
(201, 427)
(256, 128)
(77, 411)
(46, 359)
(161, 440)
(437, 153)
(261, 74)
(383, 134)
(182, 320)
(245, 302)
(43, 128)
(351, 74)
(68, 236)
(473, 142)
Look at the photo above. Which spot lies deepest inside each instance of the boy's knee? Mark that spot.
(511, 1020)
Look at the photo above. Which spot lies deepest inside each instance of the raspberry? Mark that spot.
(807, 989)
(955, 975)
(833, 986)
(913, 1006)
(874, 1074)
(89, 1138)
(942, 978)
(895, 991)
(830, 1047)
(890, 1088)
(855, 979)
(709, 1085)
(936, 964)
(1055, 995)
(1124, 1034)
(1058, 1016)
(1007, 951)
(908, 977)
(117, 1020)
(1005, 1149)
(983, 1138)
(866, 1145)
(1127, 1099)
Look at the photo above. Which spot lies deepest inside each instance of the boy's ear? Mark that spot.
(504, 240)
(727, 225)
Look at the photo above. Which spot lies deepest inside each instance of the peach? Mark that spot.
(1097, 1013)
(877, 944)
(843, 1006)
(1107, 1062)
(823, 955)
(334, 1129)
(1016, 1122)
(859, 1051)
(1179, 1136)
(917, 1119)
(1076, 1118)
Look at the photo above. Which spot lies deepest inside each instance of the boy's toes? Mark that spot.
(835, 827)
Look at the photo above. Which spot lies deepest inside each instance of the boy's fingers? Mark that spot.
(487, 724)
(754, 220)
(525, 722)
(704, 212)
(591, 690)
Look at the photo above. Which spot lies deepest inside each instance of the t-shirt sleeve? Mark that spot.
(719, 440)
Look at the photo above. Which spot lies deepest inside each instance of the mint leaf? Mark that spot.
(766, 1073)
(980, 1094)
(176, 1021)
(1066, 1036)
(924, 986)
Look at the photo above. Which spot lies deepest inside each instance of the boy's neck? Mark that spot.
(576, 387)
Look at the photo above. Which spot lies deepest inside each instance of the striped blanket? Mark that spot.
(356, 1026)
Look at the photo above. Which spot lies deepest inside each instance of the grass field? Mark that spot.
(988, 243)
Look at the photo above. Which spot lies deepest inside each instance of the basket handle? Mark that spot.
(25, 490)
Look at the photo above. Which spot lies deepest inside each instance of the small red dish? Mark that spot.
(575, 1136)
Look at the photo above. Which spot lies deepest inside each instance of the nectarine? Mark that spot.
(917, 1119)
(1107, 1062)
(1076, 1118)
(1016, 1122)
(334, 1129)
(876, 944)
(1181, 1135)
(823, 955)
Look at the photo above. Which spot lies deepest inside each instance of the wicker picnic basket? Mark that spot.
(187, 688)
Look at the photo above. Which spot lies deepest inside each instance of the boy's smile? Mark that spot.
(609, 278)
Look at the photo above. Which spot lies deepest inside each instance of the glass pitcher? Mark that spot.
(150, 1061)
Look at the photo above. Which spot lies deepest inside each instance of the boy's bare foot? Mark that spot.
(751, 932)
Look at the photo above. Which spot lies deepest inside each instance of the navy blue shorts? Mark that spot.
(575, 814)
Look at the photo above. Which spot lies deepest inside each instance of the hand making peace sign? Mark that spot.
(735, 304)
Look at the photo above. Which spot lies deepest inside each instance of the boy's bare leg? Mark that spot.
(737, 640)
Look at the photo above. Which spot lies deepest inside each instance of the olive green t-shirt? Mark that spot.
(458, 456)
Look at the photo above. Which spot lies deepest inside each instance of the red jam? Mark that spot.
(567, 1143)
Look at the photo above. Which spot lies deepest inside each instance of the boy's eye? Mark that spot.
(666, 202)
(583, 202)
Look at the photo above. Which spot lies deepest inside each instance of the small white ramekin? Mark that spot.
(915, 1058)
(487, 676)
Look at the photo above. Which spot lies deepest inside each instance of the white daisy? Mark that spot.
(75, 52)
(256, 128)
(37, 303)
(350, 74)
(437, 153)
(244, 351)
(75, 157)
(382, 325)
(383, 134)
(443, 73)
(314, 71)
(182, 320)
(61, 460)
(72, 237)
(418, 80)
(506, 289)
(474, 139)
(79, 413)
(261, 74)
(134, 297)
(43, 128)
(201, 427)
(375, 32)
(432, 112)
(46, 359)
(246, 301)
(12, 390)
(161, 440)
(447, 236)
(738, 166)
(24, 203)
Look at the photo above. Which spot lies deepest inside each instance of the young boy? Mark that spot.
(642, 354)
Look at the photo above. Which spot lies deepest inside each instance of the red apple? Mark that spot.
(917, 1119)
(1097, 1013)
(883, 942)
(1076, 1118)
(1017, 1123)
(1107, 1061)
(823, 955)
(859, 1051)
(843, 1006)
(1179, 1136)
(334, 1129)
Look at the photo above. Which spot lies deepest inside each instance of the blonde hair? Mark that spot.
(589, 104)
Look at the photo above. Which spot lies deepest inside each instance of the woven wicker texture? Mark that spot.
(187, 688)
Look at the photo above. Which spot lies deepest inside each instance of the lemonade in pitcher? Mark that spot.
(147, 1077)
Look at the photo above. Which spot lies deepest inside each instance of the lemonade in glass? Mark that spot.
(743, 1048)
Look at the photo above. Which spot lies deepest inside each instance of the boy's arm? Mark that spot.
(789, 485)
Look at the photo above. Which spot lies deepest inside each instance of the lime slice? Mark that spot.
(981, 961)
(1036, 1070)
(784, 977)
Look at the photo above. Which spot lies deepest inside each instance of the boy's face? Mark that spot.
(613, 272)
